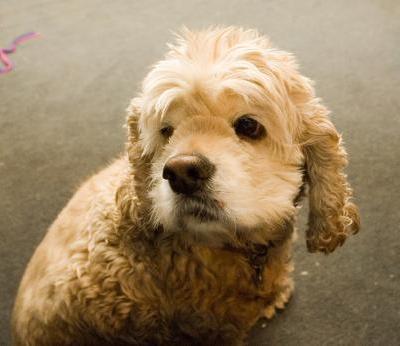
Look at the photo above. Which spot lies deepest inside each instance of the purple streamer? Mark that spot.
(4, 52)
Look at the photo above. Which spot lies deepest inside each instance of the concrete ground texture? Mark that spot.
(62, 112)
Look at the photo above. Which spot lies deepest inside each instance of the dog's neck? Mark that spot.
(256, 255)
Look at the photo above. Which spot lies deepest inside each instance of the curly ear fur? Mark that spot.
(132, 196)
(332, 217)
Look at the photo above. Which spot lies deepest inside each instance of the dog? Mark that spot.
(186, 238)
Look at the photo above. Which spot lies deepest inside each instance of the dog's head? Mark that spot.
(231, 132)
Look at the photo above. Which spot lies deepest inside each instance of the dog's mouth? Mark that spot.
(200, 207)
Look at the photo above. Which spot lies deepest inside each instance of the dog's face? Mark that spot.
(229, 125)
(220, 170)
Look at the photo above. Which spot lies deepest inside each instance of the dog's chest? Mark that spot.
(180, 287)
(211, 276)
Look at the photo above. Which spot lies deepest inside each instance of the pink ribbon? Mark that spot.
(4, 52)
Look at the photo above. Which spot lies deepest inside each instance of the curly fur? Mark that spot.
(120, 266)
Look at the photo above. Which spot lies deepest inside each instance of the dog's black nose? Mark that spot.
(187, 174)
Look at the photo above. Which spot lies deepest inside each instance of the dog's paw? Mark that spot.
(281, 298)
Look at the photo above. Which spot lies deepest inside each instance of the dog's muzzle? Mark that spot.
(188, 174)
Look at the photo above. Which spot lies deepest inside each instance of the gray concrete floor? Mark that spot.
(62, 111)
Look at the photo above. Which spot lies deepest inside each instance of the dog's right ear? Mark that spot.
(140, 161)
(134, 111)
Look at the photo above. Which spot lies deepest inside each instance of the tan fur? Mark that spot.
(121, 265)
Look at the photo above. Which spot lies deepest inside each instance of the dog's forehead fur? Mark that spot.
(227, 73)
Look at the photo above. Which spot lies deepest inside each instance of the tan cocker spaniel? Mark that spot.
(186, 239)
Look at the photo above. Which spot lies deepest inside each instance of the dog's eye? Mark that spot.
(167, 131)
(248, 127)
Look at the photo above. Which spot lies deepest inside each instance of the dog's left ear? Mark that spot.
(332, 216)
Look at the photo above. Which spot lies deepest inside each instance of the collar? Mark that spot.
(256, 255)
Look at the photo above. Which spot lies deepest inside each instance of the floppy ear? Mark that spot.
(332, 216)
(131, 197)
(140, 162)
(136, 151)
(134, 111)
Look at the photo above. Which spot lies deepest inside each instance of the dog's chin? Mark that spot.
(203, 220)
(199, 209)
(204, 227)
(194, 224)
(199, 214)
